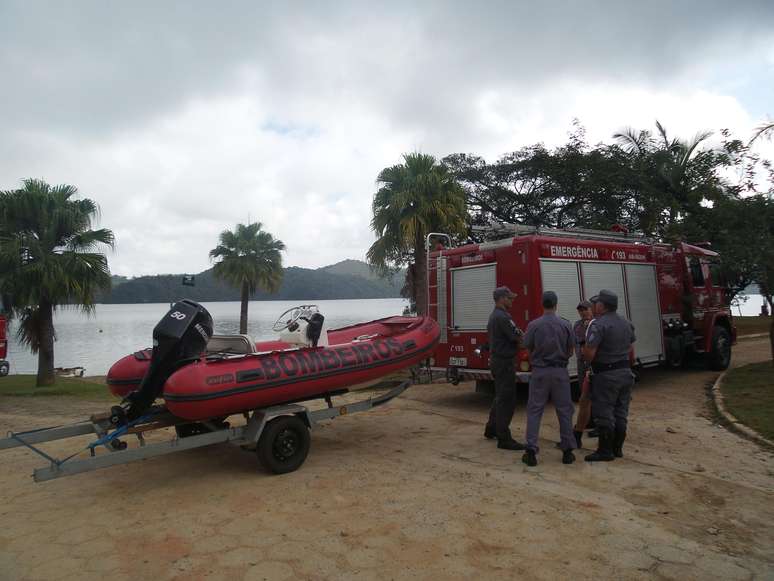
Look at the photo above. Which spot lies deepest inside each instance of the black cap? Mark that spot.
(502, 291)
(607, 298)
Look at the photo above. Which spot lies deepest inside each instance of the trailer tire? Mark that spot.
(4, 368)
(719, 356)
(284, 444)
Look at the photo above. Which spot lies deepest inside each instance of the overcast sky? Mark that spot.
(181, 119)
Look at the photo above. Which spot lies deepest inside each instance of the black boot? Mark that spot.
(604, 451)
(529, 458)
(490, 433)
(510, 444)
(578, 439)
(568, 457)
(618, 440)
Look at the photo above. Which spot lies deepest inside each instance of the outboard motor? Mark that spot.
(181, 334)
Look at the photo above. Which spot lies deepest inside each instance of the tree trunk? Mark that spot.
(243, 310)
(420, 274)
(770, 300)
(46, 350)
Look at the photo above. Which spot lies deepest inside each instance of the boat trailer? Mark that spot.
(279, 435)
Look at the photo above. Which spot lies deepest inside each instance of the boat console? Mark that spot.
(302, 326)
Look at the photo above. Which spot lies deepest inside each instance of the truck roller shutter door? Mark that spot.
(472, 296)
(561, 276)
(598, 275)
(645, 312)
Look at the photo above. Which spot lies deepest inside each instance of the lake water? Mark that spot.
(95, 342)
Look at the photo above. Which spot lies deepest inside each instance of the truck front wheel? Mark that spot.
(719, 356)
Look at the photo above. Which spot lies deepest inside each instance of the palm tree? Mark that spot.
(765, 130)
(48, 256)
(414, 198)
(672, 162)
(249, 259)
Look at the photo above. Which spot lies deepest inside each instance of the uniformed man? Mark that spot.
(504, 340)
(584, 381)
(608, 347)
(551, 343)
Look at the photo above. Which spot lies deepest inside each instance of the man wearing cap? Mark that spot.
(584, 404)
(551, 343)
(608, 346)
(504, 339)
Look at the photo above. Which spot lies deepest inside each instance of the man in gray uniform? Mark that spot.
(551, 342)
(504, 339)
(609, 341)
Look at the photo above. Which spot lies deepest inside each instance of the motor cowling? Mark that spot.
(180, 335)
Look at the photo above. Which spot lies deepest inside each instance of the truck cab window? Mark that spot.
(716, 272)
(697, 276)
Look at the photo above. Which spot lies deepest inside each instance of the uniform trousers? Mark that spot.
(553, 382)
(504, 404)
(611, 393)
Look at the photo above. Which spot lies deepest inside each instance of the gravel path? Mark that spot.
(408, 491)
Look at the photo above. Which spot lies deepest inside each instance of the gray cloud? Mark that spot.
(182, 118)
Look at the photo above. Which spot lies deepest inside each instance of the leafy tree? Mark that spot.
(677, 175)
(49, 256)
(414, 198)
(569, 186)
(249, 259)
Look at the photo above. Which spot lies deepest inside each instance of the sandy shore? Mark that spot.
(408, 491)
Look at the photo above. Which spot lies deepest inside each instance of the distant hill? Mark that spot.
(349, 279)
(363, 270)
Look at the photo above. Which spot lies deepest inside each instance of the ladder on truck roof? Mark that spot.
(505, 229)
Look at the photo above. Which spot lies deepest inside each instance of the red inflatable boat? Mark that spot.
(275, 372)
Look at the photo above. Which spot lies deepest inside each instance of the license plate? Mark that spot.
(458, 361)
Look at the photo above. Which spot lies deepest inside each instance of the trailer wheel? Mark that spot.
(719, 357)
(284, 444)
(4, 368)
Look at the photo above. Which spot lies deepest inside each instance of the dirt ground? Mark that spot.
(409, 490)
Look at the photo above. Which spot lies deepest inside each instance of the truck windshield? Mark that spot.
(697, 276)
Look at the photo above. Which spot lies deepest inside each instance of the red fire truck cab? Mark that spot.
(672, 294)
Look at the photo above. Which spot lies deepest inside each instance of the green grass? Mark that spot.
(752, 325)
(748, 392)
(24, 386)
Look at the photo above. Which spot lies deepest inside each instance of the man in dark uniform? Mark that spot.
(608, 345)
(551, 343)
(584, 381)
(504, 339)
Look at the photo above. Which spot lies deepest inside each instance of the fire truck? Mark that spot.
(673, 294)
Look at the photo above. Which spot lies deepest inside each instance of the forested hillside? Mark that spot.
(349, 279)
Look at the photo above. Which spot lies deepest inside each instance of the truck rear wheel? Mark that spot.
(719, 356)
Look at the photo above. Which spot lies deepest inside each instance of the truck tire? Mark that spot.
(719, 356)
(675, 352)
(284, 444)
(4, 368)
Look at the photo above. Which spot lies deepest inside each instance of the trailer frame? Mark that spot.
(247, 436)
